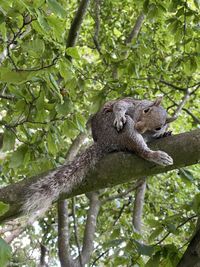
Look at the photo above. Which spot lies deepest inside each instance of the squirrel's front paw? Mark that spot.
(119, 122)
(161, 158)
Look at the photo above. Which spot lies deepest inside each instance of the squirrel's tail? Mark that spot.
(40, 195)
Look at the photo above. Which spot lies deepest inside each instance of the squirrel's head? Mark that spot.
(152, 117)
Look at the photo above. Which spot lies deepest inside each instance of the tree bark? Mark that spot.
(138, 205)
(115, 168)
(191, 257)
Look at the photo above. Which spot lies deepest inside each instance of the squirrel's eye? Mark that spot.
(146, 110)
(158, 129)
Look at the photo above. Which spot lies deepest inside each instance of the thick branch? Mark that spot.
(184, 148)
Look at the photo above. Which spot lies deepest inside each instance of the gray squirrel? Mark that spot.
(126, 124)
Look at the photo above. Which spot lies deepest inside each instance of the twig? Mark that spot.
(40, 68)
(122, 194)
(101, 255)
(122, 210)
(180, 225)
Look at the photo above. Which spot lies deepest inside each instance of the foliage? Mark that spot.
(5, 253)
(49, 90)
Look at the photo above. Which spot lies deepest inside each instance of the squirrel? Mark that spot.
(120, 125)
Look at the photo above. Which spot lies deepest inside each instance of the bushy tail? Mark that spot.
(40, 195)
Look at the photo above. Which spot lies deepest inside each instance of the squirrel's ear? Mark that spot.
(158, 101)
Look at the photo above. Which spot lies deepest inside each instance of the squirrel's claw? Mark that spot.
(119, 122)
(162, 158)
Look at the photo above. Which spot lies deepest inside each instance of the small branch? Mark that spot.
(122, 210)
(181, 104)
(7, 97)
(97, 26)
(101, 255)
(136, 29)
(13, 42)
(39, 68)
(133, 35)
(172, 85)
(197, 120)
(179, 226)
(43, 252)
(122, 194)
(75, 147)
(76, 23)
(14, 233)
(138, 205)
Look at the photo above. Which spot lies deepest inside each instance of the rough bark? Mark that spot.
(116, 168)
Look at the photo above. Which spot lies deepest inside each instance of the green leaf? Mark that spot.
(55, 87)
(154, 261)
(42, 21)
(18, 157)
(186, 176)
(80, 122)
(144, 249)
(35, 47)
(73, 52)
(57, 8)
(3, 31)
(15, 77)
(197, 3)
(69, 129)
(65, 71)
(58, 26)
(3, 208)
(8, 140)
(146, 6)
(5, 253)
(156, 233)
(2, 17)
(51, 143)
(196, 204)
(65, 108)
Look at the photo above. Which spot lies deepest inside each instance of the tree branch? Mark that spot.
(63, 234)
(76, 24)
(79, 258)
(138, 205)
(63, 223)
(184, 149)
(136, 29)
(90, 227)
